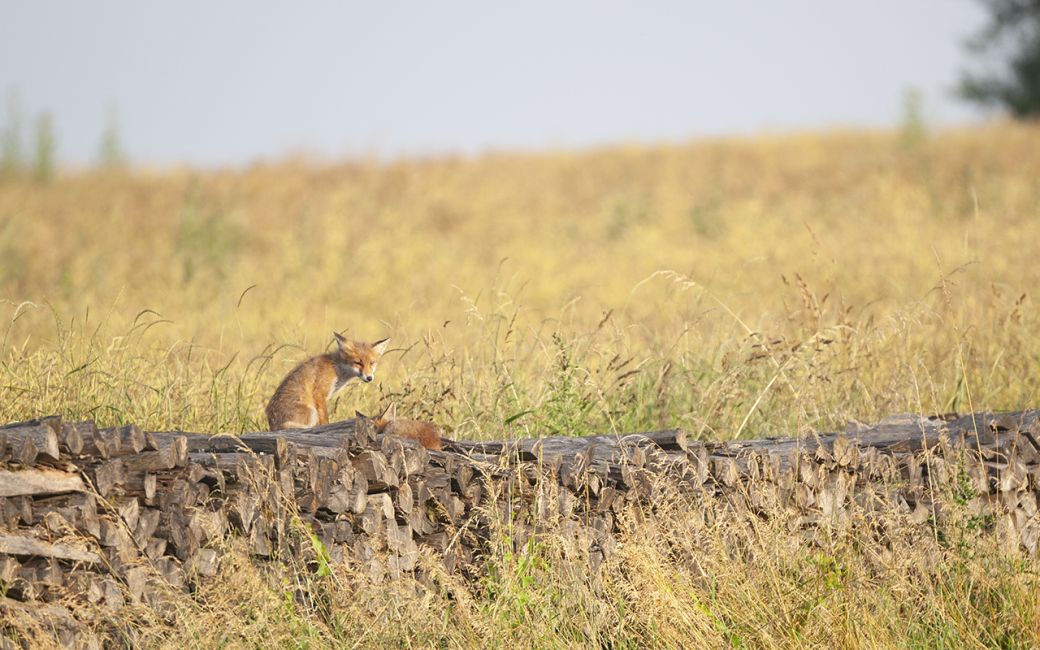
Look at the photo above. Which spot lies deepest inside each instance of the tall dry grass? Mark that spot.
(740, 287)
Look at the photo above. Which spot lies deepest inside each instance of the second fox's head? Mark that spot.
(357, 359)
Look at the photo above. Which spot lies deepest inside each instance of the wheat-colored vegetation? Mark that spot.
(753, 287)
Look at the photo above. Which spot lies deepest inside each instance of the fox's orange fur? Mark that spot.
(425, 433)
(302, 399)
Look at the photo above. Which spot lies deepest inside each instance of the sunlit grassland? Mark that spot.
(737, 287)
(752, 287)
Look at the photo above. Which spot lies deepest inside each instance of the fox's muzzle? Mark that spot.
(367, 378)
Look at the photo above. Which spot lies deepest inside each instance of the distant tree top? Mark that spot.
(1013, 34)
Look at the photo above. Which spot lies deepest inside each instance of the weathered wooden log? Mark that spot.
(535, 449)
(131, 439)
(38, 481)
(332, 435)
(103, 443)
(72, 437)
(28, 546)
(53, 422)
(169, 454)
(28, 441)
(373, 466)
(107, 475)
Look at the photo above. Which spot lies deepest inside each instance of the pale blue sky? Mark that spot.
(229, 82)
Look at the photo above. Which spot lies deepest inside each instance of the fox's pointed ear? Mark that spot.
(380, 346)
(359, 415)
(341, 341)
(389, 413)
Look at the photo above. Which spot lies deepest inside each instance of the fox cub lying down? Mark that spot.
(425, 433)
(302, 399)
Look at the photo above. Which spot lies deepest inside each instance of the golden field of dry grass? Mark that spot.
(735, 288)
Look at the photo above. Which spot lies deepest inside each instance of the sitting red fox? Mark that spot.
(425, 433)
(302, 399)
